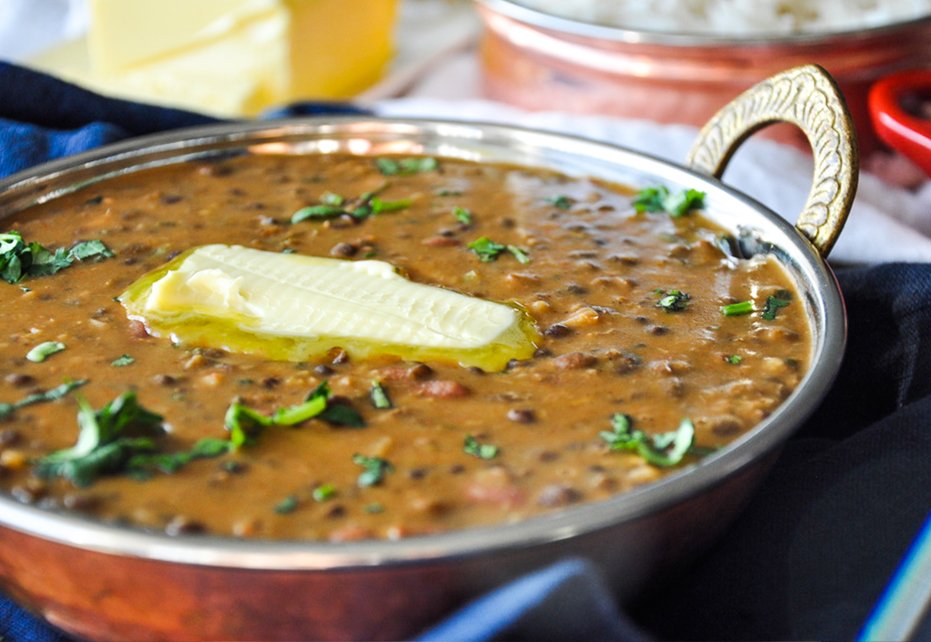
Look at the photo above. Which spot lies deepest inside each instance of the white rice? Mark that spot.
(737, 18)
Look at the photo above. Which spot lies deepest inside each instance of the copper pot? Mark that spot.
(538, 61)
(106, 582)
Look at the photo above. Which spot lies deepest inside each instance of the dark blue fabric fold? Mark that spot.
(42, 118)
(811, 553)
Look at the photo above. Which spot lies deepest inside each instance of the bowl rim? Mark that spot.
(570, 522)
(676, 39)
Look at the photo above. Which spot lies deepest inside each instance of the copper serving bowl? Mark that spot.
(536, 60)
(108, 582)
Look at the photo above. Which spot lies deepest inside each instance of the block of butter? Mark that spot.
(293, 307)
(230, 57)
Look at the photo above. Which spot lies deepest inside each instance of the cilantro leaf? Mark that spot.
(471, 446)
(329, 198)
(90, 250)
(406, 166)
(287, 505)
(519, 254)
(317, 212)
(107, 440)
(463, 215)
(374, 470)
(57, 392)
(662, 450)
(244, 423)
(561, 201)
(141, 465)
(19, 259)
(324, 492)
(341, 414)
(44, 350)
(773, 303)
(737, 309)
(673, 300)
(332, 205)
(379, 206)
(379, 396)
(486, 249)
(660, 199)
(45, 263)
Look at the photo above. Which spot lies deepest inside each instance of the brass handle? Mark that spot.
(808, 97)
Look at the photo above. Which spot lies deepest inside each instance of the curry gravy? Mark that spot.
(596, 275)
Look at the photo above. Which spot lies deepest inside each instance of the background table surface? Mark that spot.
(436, 74)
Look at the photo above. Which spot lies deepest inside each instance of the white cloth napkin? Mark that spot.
(886, 223)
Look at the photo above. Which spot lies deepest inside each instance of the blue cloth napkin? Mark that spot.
(811, 553)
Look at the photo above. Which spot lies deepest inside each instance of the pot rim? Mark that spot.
(623, 35)
(825, 303)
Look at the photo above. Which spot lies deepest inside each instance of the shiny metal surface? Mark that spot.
(537, 60)
(809, 98)
(111, 583)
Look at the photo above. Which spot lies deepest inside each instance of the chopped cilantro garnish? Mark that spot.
(44, 350)
(317, 212)
(363, 211)
(463, 215)
(286, 505)
(374, 469)
(379, 396)
(379, 206)
(122, 361)
(19, 259)
(660, 199)
(140, 466)
(734, 359)
(737, 309)
(298, 413)
(324, 492)
(90, 250)
(662, 450)
(561, 201)
(245, 423)
(673, 300)
(471, 446)
(329, 198)
(487, 250)
(519, 254)
(6, 409)
(107, 440)
(332, 205)
(406, 166)
(780, 300)
(340, 414)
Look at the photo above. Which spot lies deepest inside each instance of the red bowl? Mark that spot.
(900, 108)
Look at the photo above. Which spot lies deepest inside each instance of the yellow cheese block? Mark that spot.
(337, 48)
(260, 53)
(125, 33)
(288, 306)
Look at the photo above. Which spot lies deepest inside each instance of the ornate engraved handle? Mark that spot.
(809, 98)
